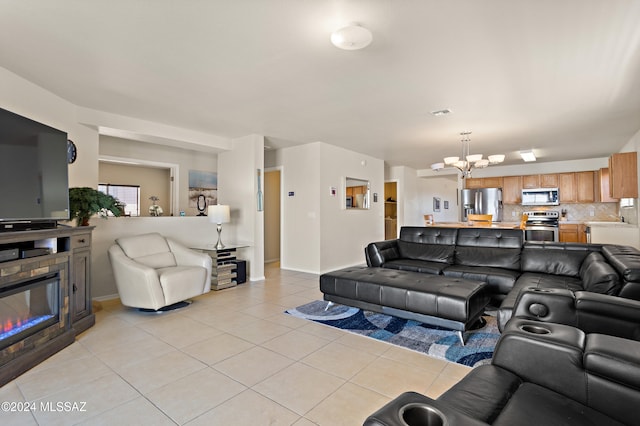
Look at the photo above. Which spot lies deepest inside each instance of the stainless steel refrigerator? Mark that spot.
(482, 201)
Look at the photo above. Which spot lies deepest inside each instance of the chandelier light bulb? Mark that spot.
(472, 160)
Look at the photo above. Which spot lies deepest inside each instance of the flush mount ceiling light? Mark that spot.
(469, 161)
(527, 155)
(352, 37)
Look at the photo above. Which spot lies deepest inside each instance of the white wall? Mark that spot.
(318, 233)
(445, 188)
(238, 187)
(415, 196)
(300, 207)
(344, 233)
(25, 98)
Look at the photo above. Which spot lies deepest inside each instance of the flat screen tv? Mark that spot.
(34, 182)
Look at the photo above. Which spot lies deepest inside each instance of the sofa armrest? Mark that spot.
(547, 354)
(411, 408)
(380, 252)
(547, 304)
(590, 312)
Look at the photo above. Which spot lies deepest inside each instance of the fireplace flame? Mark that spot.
(12, 323)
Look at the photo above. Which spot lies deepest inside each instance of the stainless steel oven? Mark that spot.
(542, 226)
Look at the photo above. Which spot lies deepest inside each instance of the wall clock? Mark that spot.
(72, 151)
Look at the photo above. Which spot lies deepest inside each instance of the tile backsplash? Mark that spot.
(575, 212)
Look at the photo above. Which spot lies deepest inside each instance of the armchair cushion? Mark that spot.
(152, 272)
(149, 249)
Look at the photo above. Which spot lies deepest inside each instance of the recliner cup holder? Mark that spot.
(541, 290)
(535, 329)
(417, 414)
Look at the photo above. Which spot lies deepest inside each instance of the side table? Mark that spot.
(223, 267)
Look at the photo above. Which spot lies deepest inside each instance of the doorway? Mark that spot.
(272, 213)
(390, 210)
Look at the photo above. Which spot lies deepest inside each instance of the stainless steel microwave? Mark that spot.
(540, 197)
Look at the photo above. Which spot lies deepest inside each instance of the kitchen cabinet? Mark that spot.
(602, 187)
(488, 182)
(567, 187)
(530, 181)
(585, 192)
(512, 189)
(549, 180)
(572, 233)
(568, 233)
(623, 175)
(582, 233)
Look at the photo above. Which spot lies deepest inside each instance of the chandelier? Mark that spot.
(469, 161)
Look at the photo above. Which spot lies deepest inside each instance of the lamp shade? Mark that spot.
(219, 213)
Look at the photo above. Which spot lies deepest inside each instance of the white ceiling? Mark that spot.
(561, 77)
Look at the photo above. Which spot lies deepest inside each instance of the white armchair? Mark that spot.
(154, 272)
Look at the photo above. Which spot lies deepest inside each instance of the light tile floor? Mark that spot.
(231, 358)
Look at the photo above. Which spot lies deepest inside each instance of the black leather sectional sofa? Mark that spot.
(571, 283)
(540, 374)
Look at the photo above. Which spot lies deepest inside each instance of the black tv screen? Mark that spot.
(34, 182)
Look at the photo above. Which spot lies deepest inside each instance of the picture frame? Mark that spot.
(436, 204)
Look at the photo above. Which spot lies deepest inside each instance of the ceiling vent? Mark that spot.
(441, 112)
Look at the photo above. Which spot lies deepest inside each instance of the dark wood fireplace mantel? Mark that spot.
(68, 257)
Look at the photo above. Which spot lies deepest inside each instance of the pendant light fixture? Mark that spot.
(467, 162)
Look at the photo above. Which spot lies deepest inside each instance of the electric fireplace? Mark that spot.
(28, 307)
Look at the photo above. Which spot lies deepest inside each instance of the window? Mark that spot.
(128, 194)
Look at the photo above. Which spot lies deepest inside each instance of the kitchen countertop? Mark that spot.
(606, 224)
(494, 225)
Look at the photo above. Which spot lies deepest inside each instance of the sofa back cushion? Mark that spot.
(429, 235)
(498, 248)
(428, 252)
(554, 258)
(598, 276)
(151, 250)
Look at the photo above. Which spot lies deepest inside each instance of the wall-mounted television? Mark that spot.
(34, 182)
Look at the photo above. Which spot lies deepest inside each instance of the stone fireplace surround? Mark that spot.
(20, 356)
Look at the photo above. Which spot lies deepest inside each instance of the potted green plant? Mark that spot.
(84, 202)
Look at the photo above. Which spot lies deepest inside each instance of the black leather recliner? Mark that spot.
(541, 374)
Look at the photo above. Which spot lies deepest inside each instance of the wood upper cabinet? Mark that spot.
(602, 187)
(530, 181)
(472, 183)
(585, 191)
(512, 189)
(567, 187)
(549, 180)
(623, 175)
(488, 182)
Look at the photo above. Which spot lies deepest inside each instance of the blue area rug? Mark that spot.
(435, 341)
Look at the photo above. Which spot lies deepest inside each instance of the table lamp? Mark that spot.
(219, 214)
